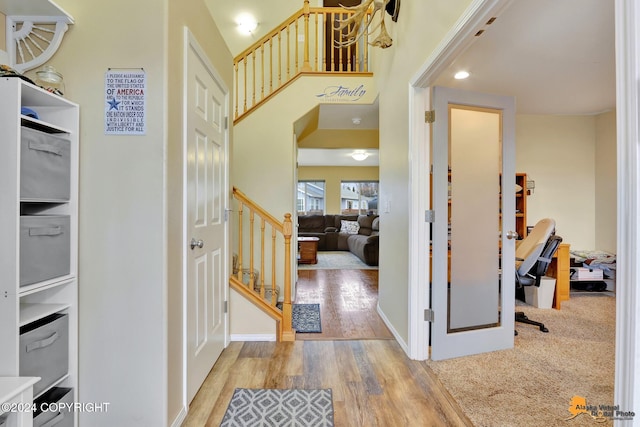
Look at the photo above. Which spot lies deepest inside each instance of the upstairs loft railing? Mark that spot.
(305, 43)
(262, 268)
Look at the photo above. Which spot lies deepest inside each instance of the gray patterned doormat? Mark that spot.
(306, 318)
(286, 408)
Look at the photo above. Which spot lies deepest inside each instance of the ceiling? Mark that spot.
(554, 56)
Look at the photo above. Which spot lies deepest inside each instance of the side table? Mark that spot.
(308, 250)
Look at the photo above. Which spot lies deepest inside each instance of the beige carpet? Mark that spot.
(533, 384)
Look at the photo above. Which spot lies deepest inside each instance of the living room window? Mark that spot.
(359, 197)
(310, 199)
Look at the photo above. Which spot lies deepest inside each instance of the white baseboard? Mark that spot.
(253, 337)
(397, 336)
(180, 418)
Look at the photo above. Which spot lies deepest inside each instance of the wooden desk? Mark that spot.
(308, 247)
(560, 269)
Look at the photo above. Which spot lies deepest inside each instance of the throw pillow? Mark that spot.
(349, 227)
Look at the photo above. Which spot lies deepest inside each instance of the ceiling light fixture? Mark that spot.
(359, 155)
(246, 23)
(356, 120)
(461, 75)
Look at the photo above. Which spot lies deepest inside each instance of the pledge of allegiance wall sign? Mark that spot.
(342, 93)
(125, 102)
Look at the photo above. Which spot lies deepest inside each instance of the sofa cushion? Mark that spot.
(365, 222)
(349, 227)
(311, 223)
(375, 225)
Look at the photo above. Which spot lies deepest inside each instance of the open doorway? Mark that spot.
(337, 219)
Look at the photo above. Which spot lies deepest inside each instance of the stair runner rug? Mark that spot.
(270, 407)
(305, 318)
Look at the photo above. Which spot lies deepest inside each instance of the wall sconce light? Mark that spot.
(359, 155)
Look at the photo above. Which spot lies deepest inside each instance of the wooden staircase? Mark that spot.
(304, 44)
(269, 257)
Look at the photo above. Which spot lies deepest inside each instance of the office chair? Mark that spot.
(533, 257)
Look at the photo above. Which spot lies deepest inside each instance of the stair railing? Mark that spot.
(305, 43)
(250, 281)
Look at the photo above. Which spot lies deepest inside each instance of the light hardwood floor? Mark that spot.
(373, 382)
(348, 301)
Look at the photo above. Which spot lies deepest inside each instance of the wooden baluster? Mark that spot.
(288, 52)
(273, 267)
(239, 273)
(332, 48)
(253, 78)
(262, 226)
(295, 44)
(262, 71)
(315, 68)
(270, 65)
(279, 58)
(244, 60)
(251, 253)
(235, 66)
(325, 16)
(306, 66)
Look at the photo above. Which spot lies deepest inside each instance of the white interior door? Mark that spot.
(472, 260)
(206, 137)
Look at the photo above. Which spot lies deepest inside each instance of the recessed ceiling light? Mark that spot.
(359, 155)
(246, 23)
(460, 75)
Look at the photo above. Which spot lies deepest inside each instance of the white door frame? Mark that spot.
(191, 42)
(627, 377)
(627, 17)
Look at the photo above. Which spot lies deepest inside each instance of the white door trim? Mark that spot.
(627, 376)
(190, 42)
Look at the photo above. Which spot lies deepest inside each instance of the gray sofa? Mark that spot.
(328, 229)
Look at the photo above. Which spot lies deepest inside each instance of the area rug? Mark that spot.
(539, 381)
(337, 260)
(286, 408)
(306, 318)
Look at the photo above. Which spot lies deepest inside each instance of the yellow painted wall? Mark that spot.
(334, 138)
(130, 205)
(558, 153)
(606, 182)
(332, 176)
(420, 28)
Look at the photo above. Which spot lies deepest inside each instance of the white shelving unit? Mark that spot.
(22, 305)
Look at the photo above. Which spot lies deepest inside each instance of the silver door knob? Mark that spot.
(198, 243)
(512, 235)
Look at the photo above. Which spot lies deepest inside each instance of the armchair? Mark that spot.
(533, 257)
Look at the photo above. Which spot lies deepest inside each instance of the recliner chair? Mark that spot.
(533, 257)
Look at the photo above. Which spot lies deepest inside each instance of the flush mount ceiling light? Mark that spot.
(461, 75)
(246, 23)
(356, 120)
(359, 155)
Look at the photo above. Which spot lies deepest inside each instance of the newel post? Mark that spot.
(287, 332)
(306, 66)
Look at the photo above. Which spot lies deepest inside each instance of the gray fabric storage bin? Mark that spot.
(45, 247)
(56, 403)
(45, 166)
(4, 420)
(44, 350)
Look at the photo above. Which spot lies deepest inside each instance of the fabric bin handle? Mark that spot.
(54, 421)
(42, 343)
(48, 148)
(45, 231)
